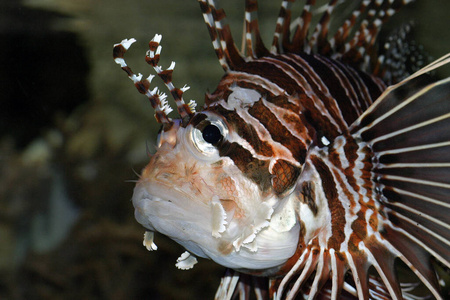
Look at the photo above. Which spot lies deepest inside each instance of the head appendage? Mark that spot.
(157, 99)
(152, 58)
(223, 43)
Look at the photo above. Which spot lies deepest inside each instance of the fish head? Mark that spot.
(223, 181)
(207, 189)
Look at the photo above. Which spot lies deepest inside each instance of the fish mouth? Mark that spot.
(154, 201)
(188, 221)
(174, 214)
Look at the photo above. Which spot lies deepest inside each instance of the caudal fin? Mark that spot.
(408, 130)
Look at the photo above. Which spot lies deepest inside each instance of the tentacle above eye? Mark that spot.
(157, 99)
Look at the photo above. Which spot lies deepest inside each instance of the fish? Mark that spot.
(318, 168)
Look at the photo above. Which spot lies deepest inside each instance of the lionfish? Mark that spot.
(304, 174)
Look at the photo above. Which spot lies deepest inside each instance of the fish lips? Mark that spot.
(174, 214)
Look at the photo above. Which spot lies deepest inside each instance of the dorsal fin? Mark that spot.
(372, 15)
(354, 42)
(223, 43)
(300, 37)
(319, 38)
(254, 45)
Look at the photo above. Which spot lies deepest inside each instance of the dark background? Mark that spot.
(73, 134)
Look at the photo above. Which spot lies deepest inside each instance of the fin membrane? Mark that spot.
(408, 130)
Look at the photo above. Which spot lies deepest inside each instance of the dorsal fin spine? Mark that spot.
(319, 37)
(299, 40)
(226, 51)
(280, 25)
(210, 24)
(254, 48)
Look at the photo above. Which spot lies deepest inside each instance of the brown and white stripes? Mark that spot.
(281, 106)
(301, 124)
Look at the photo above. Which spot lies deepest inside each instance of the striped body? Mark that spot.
(303, 166)
(291, 103)
(296, 129)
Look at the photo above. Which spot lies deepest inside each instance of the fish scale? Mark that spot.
(304, 167)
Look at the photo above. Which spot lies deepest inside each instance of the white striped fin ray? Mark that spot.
(408, 130)
(235, 285)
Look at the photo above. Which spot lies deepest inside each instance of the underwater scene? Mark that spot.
(75, 135)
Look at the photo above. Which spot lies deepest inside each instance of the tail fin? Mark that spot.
(408, 130)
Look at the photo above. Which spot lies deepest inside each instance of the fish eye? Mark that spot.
(211, 134)
(207, 134)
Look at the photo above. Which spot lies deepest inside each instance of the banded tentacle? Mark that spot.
(157, 98)
(152, 58)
